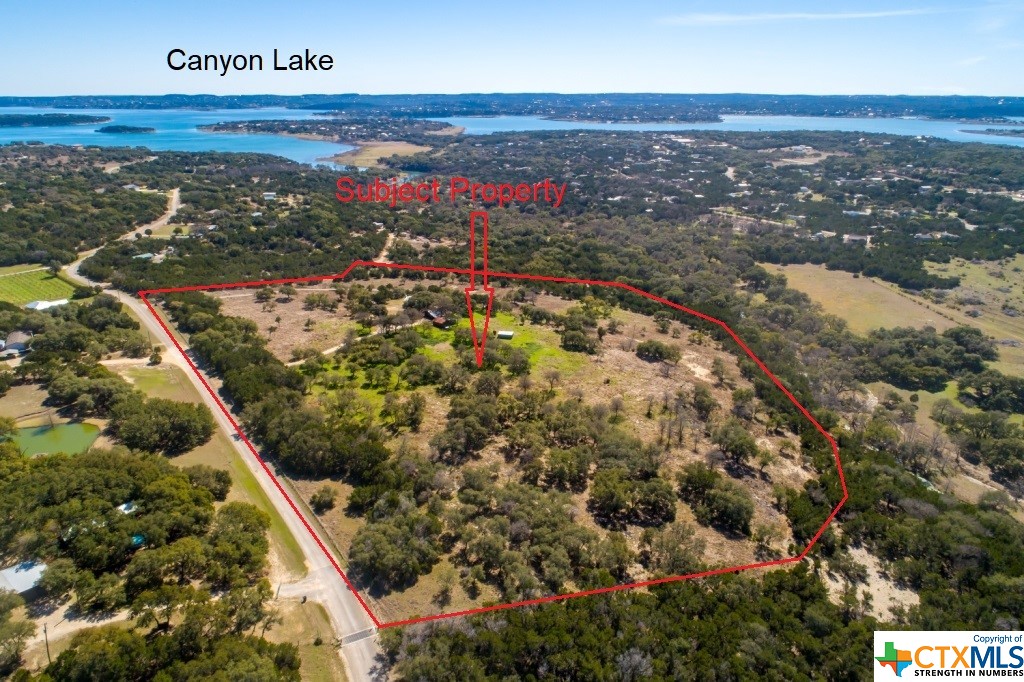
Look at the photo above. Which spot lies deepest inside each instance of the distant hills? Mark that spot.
(594, 107)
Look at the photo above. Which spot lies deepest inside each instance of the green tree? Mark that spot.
(672, 550)
(105, 653)
(656, 351)
(734, 439)
(13, 634)
(159, 425)
(323, 499)
(704, 402)
(217, 481)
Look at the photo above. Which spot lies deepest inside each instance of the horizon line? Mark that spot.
(517, 92)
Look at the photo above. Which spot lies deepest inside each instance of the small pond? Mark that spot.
(44, 440)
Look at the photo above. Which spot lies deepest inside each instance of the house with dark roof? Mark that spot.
(438, 318)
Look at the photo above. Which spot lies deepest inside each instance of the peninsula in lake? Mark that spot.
(44, 120)
(1005, 132)
(122, 130)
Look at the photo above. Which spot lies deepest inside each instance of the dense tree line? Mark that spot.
(923, 359)
(782, 626)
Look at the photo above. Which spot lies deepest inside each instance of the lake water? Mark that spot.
(45, 440)
(176, 131)
(948, 130)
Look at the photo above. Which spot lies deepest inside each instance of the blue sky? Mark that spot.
(917, 47)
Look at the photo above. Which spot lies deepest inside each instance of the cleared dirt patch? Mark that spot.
(283, 321)
(886, 595)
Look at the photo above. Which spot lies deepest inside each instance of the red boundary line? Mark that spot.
(503, 275)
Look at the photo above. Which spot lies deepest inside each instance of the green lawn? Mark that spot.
(167, 231)
(22, 287)
(541, 344)
(162, 381)
(14, 269)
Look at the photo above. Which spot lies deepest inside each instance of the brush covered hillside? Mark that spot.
(596, 446)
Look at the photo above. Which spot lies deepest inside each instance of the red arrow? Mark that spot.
(481, 342)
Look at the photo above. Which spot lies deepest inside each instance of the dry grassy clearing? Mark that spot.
(863, 302)
(304, 625)
(996, 291)
(283, 321)
(368, 154)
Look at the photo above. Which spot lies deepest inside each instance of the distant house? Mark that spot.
(269, 196)
(505, 335)
(857, 239)
(438, 318)
(16, 344)
(824, 234)
(45, 305)
(143, 256)
(132, 187)
(22, 578)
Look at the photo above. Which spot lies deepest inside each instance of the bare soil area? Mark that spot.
(283, 321)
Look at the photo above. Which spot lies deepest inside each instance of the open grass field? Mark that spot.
(23, 286)
(863, 302)
(161, 381)
(167, 231)
(16, 269)
(24, 404)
